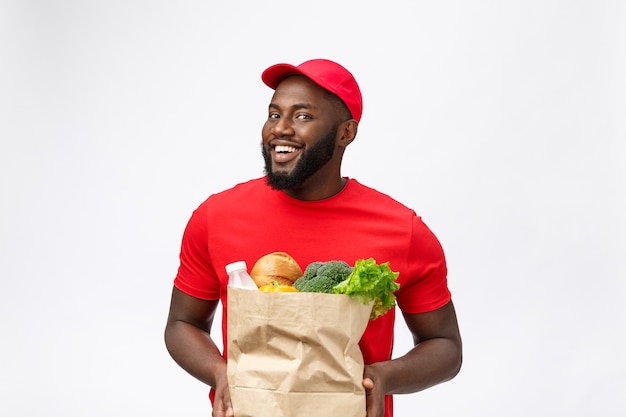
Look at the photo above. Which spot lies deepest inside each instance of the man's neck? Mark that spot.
(317, 191)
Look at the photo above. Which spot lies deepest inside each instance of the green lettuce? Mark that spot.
(369, 282)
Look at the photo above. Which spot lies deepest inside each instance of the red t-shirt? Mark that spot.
(251, 220)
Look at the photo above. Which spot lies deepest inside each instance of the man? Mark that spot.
(303, 206)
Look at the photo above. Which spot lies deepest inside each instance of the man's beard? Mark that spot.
(309, 163)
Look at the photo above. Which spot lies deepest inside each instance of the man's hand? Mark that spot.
(374, 394)
(222, 406)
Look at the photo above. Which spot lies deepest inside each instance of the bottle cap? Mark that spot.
(236, 266)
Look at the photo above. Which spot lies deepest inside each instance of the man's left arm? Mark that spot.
(436, 358)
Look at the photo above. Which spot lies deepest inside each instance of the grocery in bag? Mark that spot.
(295, 354)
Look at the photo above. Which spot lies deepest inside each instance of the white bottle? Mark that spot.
(238, 276)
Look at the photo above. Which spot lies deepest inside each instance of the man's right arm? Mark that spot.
(188, 340)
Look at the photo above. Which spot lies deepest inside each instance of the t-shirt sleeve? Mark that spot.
(425, 287)
(196, 276)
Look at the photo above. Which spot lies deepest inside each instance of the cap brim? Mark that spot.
(273, 75)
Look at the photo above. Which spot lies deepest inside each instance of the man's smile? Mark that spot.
(285, 153)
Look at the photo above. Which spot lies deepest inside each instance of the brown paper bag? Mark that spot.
(295, 354)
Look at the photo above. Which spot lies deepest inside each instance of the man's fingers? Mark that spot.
(225, 409)
(229, 409)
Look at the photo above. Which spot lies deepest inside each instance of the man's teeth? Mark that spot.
(284, 148)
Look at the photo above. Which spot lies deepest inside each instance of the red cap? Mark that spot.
(327, 74)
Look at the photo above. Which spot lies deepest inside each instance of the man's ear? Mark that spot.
(347, 132)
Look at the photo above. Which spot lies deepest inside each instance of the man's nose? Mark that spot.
(283, 127)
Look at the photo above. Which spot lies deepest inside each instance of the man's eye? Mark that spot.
(273, 116)
(303, 116)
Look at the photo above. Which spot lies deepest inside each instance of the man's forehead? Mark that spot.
(302, 92)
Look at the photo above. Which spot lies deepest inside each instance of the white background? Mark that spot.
(501, 123)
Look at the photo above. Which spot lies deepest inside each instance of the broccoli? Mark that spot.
(323, 276)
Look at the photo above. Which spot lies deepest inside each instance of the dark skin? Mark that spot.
(301, 113)
(188, 340)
